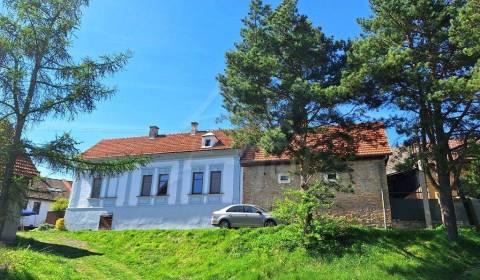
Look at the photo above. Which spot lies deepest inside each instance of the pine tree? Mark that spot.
(422, 58)
(276, 89)
(38, 79)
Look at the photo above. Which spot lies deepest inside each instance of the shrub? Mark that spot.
(60, 224)
(60, 204)
(297, 204)
(321, 231)
(44, 227)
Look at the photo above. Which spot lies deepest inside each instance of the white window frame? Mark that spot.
(325, 176)
(280, 181)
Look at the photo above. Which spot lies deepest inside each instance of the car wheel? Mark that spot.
(224, 224)
(270, 223)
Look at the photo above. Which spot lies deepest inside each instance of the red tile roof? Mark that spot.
(369, 140)
(25, 167)
(375, 145)
(50, 189)
(163, 144)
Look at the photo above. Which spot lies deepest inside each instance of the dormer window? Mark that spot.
(207, 143)
(209, 140)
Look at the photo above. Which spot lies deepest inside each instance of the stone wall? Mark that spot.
(261, 187)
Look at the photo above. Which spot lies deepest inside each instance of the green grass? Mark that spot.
(239, 254)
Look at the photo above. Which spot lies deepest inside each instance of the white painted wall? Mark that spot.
(36, 220)
(179, 209)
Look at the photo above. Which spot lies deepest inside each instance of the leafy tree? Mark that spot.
(422, 57)
(472, 176)
(276, 89)
(60, 204)
(39, 79)
(296, 206)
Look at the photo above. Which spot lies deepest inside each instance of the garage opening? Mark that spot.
(105, 222)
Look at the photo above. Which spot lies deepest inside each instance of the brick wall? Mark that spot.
(261, 187)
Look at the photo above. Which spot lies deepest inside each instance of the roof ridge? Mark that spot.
(166, 134)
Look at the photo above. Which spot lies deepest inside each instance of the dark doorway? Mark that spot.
(105, 222)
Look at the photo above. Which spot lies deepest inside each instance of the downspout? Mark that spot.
(382, 184)
(241, 184)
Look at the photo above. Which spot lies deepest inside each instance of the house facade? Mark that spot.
(265, 177)
(193, 174)
(190, 175)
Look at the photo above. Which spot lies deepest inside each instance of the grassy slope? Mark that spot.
(237, 254)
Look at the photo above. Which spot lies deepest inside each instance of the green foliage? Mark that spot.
(297, 205)
(60, 224)
(264, 253)
(276, 82)
(422, 58)
(472, 179)
(60, 204)
(273, 141)
(277, 89)
(39, 78)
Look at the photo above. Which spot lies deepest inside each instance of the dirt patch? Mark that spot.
(74, 243)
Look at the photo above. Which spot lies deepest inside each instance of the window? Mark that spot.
(236, 209)
(96, 187)
(250, 209)
(208, 142)
(283, 178)
(215, 181)
(146, 185)
(197, 183)
(162, 184)
(36, 207)
(331, 176)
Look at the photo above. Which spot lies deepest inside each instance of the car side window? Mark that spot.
(236, 209)
(250, 209)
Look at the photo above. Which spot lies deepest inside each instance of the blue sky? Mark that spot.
(178, 48)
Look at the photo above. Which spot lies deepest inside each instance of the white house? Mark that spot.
(40, 197)
(190, 175)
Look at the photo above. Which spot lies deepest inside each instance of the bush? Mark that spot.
(44, 227)
(60, 224)
(297, 204)
(319, 231)
(60, 204)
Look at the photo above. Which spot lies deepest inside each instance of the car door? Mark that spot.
(236, 216)
(252, 217)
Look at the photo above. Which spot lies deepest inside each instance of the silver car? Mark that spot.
(242, 215)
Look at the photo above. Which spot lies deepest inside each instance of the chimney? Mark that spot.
(194, 128)
(153, 132)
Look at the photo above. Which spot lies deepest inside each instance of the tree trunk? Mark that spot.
(447, 206)
(7, 202)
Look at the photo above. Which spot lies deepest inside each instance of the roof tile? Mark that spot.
(369, 139)
(163, 144)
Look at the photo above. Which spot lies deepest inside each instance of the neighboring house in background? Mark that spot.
(193, 174)
(403, 181)
(41, 195)
(407, 199)
(26, 169)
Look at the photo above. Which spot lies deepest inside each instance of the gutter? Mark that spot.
(382, 184)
